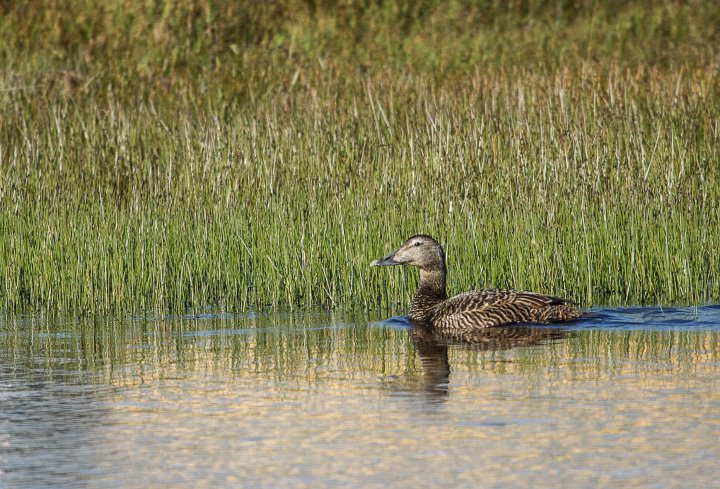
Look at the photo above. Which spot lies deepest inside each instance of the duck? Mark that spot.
(472, 310)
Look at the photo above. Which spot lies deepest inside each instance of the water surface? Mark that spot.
(630, 398)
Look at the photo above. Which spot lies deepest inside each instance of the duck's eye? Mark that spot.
(417, 243)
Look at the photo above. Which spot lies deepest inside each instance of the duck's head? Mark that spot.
(420, 251)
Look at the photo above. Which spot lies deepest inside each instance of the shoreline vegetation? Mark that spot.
(259, 155)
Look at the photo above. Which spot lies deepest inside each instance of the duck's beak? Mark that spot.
(386, 261)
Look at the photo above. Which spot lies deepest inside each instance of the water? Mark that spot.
(628, 399)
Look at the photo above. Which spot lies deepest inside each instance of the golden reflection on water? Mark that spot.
(288, 401)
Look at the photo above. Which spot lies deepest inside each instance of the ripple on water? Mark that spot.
(629, 398)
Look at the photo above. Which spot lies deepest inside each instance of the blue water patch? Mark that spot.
(654, 318)
(395, 322)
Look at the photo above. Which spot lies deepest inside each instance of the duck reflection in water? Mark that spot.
(432, 347)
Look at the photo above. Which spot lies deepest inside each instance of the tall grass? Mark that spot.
(555, 150)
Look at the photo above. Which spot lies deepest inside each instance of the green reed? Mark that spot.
(273, 182)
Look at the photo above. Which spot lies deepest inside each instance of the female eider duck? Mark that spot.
(471, 310)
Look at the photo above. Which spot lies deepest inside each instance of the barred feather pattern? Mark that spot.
(493, 307)
(471, 310)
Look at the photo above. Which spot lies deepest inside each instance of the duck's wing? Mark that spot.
(495, 307)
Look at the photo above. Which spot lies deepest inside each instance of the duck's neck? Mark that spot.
(430, 293)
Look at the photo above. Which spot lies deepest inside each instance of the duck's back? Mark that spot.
(495, 307)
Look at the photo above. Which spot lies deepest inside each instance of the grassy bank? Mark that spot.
(159, 158)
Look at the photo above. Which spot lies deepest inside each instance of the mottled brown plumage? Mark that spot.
(471, 310)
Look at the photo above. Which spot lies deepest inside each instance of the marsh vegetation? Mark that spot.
(260, 155)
